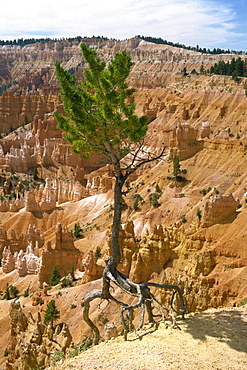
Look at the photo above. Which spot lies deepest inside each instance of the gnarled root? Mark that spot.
(145, 300)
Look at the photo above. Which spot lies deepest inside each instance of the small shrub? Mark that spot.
(77, 349)
(205, 191)
(183, 218)
(136, 205)
(6, 352)
(153, 198)
(199, 213)
(157, 188)
(138, 198)
(58, 356)
(65, 283)
(243, 302)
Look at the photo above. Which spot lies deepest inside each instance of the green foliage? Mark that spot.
(176, 169)
(176, 166)
(236, 68)
(48, 40)
(55, 276)
(51, 313)
(157, 188)
(136, 205)
(159, 40)
(127, 184)
(10, 292)
(183, 218)
(65, 283)
(184, 71)
(77, 233)
(5, 87)
(72, 273)
(6, 352)
(7, 292)
(199, 213)
(58, 356)
(138, 198)
(13, 291)
(35, 173)
(99, 114)
(77, 349)
(202, 70)
(243, 302)
(205, 191)
(153, 198)
(97, 253)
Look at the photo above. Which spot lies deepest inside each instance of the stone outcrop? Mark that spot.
(35, 258)
(19, 109)
(47, 201)
(16, 244)
(184, 141)
(142, 257)
(27, 262)
(93, 268)
(218, 208)
(31, 343)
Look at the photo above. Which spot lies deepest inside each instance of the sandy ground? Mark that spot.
(214, 339)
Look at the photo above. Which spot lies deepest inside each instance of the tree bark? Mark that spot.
(118, 206)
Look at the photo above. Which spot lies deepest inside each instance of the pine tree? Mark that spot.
(100, 117)
(7, 292)
(176, 166)
(51, 313)
(55, 276)
(13, 291)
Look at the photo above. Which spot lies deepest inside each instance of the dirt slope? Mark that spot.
(214, 339)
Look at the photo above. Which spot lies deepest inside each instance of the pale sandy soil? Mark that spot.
(214, 339)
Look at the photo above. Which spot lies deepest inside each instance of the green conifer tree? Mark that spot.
(100, 117)
(51, 313)
(55, 276)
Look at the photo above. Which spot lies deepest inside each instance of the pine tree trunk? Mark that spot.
(118, 206)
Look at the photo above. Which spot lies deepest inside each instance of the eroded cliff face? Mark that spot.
(194, 235)
(33, 344)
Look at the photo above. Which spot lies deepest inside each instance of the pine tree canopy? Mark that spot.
(99, 112)
(51, 313)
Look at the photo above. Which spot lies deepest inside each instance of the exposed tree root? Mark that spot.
(145, 300)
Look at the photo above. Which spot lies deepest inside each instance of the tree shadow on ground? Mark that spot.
(229, 326)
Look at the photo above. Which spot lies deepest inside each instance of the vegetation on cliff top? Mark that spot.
(155, 40)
